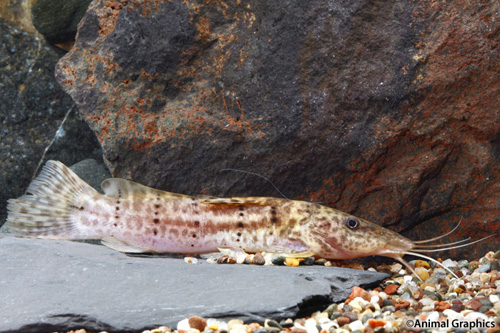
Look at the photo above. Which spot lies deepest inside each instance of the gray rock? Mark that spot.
(49, 285)
(92, 172)
(32, 106)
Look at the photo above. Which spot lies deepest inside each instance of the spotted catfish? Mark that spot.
(130, 217)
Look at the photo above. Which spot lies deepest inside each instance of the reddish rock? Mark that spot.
(343, 321)
(401, 304)
(382, 109)
(457, 306)
(391, 289)
(358, 292)
(198, 323)
(474, 304)
(441, 306)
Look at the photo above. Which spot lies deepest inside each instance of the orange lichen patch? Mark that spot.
(107, 19)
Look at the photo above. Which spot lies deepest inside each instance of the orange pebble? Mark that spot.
(391, 289)
(358, 292)
(376, 322)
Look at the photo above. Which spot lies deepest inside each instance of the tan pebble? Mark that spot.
(422, 263)
(258, 259)
(292, 262)
(234, 323)
(198, 323)
(485, 277)
(343, 321)
(328, 263)
(422, 273)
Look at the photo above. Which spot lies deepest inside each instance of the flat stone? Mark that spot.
(51, 285)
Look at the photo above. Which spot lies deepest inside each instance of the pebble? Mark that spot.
(198, 323)
(258, 259)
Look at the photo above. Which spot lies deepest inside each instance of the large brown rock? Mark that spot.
(386, 109)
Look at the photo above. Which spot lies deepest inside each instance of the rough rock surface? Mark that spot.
(49, 285)
(385, 109)
(32, 106)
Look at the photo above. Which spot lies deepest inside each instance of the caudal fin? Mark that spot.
(50, 209)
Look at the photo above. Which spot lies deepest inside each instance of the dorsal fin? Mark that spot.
(117, 187)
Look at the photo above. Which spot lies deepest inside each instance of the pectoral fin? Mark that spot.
(122, 246)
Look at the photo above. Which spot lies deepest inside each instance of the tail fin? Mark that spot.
(50, 209)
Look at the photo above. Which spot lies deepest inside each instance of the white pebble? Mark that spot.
(449, 263)
(408, 278)
(426, 301)
(430, 288)
(433, 316)
(494, 299)
(452, 314)
(310, 326)
(358, 303)
(476, 315)
(356, 325)
(190, 260)
(183, 325)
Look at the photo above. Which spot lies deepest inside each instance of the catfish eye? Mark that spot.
(352, 223)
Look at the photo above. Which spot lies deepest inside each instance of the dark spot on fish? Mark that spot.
(197, 223)
(155, 231)
(156, 220)
(119, 193)
(240, 225)
(194, 235)
(273, 212)
(192, 245)
(117, 202)
(157, 206)
(241, 214)
(117, 208)
(82, 208)
(156, 213)
(237, 239)
(116, 216)
(23, 211)
(115, 224)
(241, 207)
(274, 220)
(196, 212)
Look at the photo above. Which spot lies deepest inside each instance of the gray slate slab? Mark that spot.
(49, 285)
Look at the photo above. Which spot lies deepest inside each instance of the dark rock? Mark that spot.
(92, 172)
(383, 109)
(308, 261)
(56, 20)
(495, 265)
(32, 107)
(279, 261)
(60, 285)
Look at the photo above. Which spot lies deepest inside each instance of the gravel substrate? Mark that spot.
(402, 303)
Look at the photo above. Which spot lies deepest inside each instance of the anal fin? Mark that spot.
(122, 246)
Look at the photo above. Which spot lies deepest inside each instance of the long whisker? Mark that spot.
(455, 247)
(441, 245)
(439, 237)
(431, 259)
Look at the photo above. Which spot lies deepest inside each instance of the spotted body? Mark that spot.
(130, 217)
